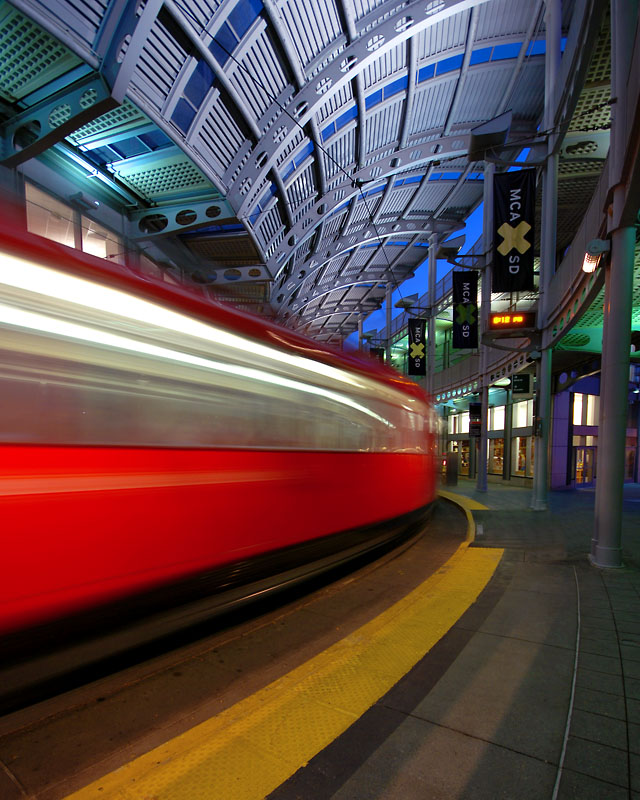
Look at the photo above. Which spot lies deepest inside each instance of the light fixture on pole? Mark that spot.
(595, 249)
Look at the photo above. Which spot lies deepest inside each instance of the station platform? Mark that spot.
(513, 671)
(533, 693)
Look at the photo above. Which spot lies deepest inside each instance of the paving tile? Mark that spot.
(575, 786)
(634, 737)
(597, 760)
(630, 669)
(629, 651)
(599, 634)
(634, 763)
(597, 728)
(600, 648)
(628, 628)
(609, 705)
(415, 761)
(601, 682)
(533, 616)
(604, 664)
(633, 710)
(632, 687)
(495, 689)
(598, 622)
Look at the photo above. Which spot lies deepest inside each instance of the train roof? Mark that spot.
(14, 238)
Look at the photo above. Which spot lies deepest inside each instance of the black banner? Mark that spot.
(514, 195)
(417, 347)
(465, 309)
(475, 418)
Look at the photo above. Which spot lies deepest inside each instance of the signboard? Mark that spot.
(514, 195)
(417, 356)
(522, 384)
(465, 309)
(475, 417)
(512, 320)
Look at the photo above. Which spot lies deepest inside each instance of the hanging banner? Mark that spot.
(514, 201)
(417, 356)
(465, 309)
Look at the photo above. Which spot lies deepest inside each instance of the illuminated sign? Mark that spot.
(512, 320)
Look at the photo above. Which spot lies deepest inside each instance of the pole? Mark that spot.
(388, 344)
(485, 309)
(542, 422)
(431, 333)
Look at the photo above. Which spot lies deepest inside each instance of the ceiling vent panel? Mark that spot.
(161, 59)
(162, 179)
(30, 57)
(397, 200)
(338, 101)
(340, 155)
(219, 137)
(431, 105)
(389, 64)
(312, 25)
(258, 77)
(383, 127)
(443, 36)
(484, 94)
(502, 18)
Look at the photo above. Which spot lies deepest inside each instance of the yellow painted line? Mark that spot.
(248, 750)
(468, 505)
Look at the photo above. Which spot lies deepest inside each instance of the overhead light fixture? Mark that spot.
(595, 249)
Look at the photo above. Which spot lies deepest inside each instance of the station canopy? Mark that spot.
(292, 156)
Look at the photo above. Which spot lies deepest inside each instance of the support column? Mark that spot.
(485, 310)
(388, 343)
(542, 423)
(606, 548)
(360, 340)
(431, 332)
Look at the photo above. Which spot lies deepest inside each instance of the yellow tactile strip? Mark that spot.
(251, 748)
(468, 505)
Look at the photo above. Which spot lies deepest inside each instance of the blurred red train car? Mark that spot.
(158, 448)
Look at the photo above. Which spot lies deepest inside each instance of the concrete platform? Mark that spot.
(534, 693)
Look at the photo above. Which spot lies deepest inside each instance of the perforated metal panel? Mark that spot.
(31, 58)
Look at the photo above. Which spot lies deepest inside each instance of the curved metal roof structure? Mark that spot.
(295, 156)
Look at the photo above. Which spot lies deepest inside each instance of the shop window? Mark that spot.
(49, 217)
(496, 456)
(496, 418)
(522, 456)
(522, 414)
(100, 242)
(586, 409)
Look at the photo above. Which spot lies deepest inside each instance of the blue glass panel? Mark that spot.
(563, 44)
(102, 155)
(290, 169)
(480, 56)
(155, 140)
(243, 15)
(435, 176)
(449, 64)
(199, 83)
(504, 51)
(223, 44)
(348, 115)
(538, 48)
(254, 217)
(424, 73)
(450, 176)
(127, 148)
(303, 154)
(398, 183)
(373, 99)
(396, 86)
(328, 131)
(183, 115)
(413, 179)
